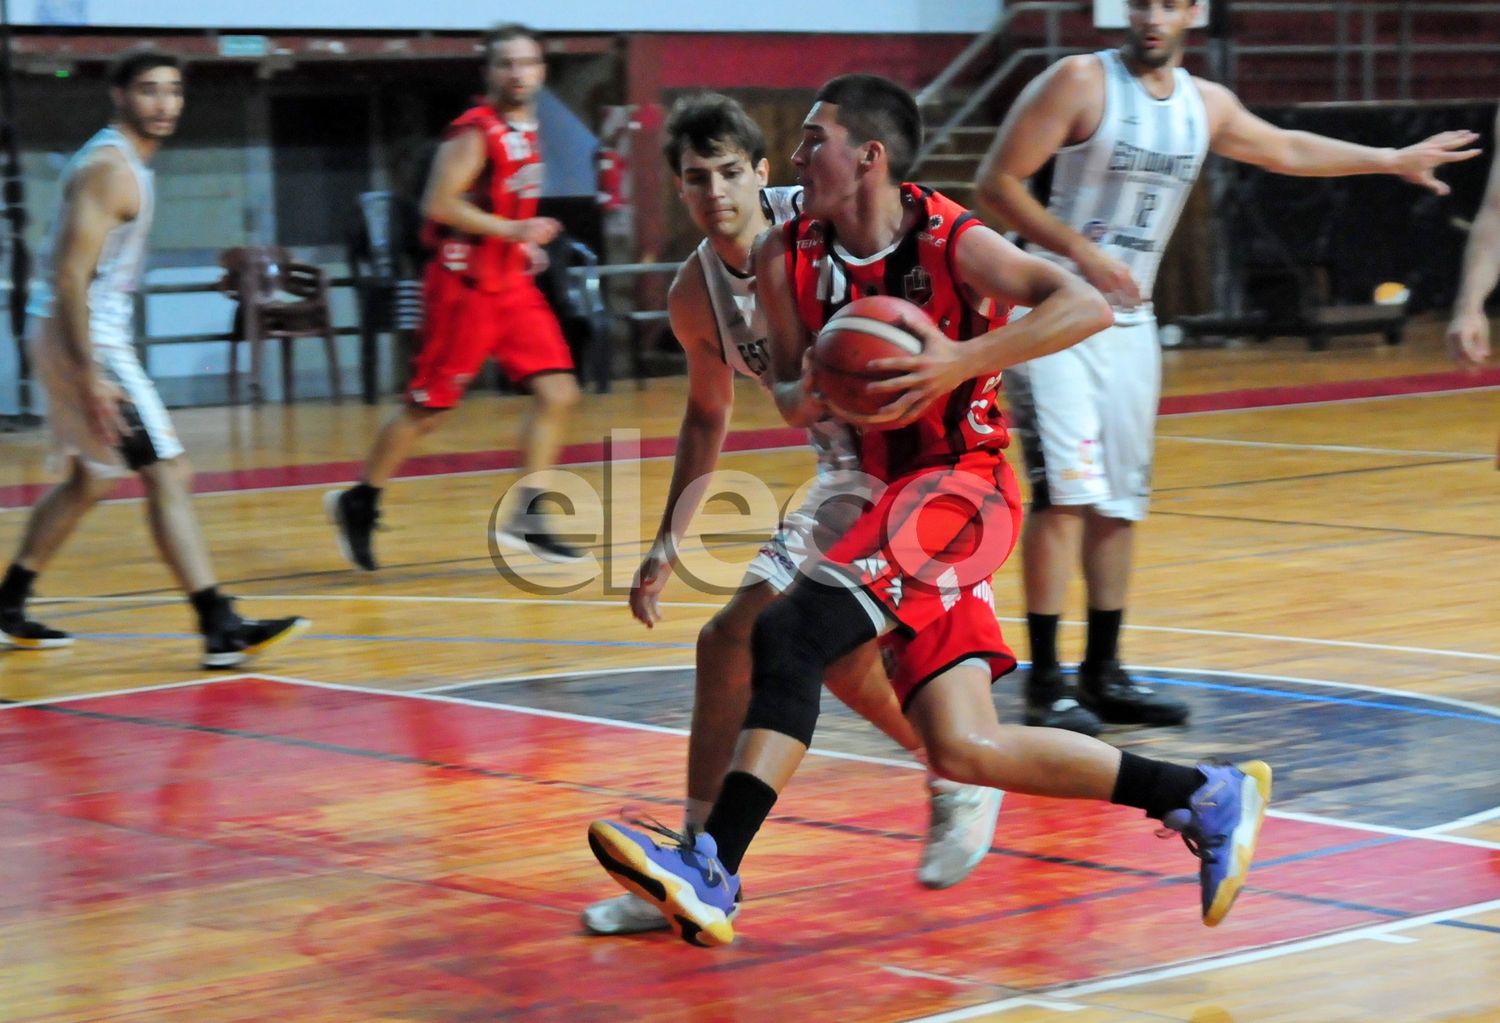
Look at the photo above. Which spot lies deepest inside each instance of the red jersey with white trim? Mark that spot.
(509, 186)
(966, 427)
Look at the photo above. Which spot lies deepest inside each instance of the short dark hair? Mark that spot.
(876, 109)
(712, 124)
(136, 61)
(506, 32)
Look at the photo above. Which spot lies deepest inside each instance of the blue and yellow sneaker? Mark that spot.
(1220, 826)
(685, 879)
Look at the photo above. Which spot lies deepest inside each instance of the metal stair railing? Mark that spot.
(1051, 10)
(1356, 31)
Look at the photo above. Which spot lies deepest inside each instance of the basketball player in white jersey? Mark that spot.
(104, 414)
(717, 155)
(1129, 129)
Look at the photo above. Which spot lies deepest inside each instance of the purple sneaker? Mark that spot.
(1220, 826)
(684, 879)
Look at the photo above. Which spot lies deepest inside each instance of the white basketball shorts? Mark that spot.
(832, 504)
(1086, 419)
(68, 418)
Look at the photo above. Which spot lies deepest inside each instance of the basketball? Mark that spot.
(863, 331)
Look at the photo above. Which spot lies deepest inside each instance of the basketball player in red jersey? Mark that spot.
(917, 565)
(479, 298)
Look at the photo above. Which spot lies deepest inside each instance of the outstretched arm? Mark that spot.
(699, 439)
(1469, 331)
(1239, 135)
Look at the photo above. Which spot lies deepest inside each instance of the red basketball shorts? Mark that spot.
(926, 551)
(966, 631)
(462, 326)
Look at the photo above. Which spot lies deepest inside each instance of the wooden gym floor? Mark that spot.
(385, 821)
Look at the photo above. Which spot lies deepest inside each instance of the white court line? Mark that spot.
(1431, 834)
(1058, 998)
(1348, 449)
(1464, 822)
(1444, 392)
(1373, 932)
(448, 687)
(908, 765)
(590, 602)
(209, 680)
(594, 463)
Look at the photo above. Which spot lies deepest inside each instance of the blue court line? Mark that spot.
(1287, 694)
(1466, 925)
(1282, 694)
(1332, 850)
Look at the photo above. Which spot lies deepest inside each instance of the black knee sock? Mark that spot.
(210, 605)
(1041, 631)
(1104, 636)
(16, 588)
(1156, 786)
(743, 805)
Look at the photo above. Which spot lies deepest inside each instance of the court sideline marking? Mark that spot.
(711, 605)
(1059, 996)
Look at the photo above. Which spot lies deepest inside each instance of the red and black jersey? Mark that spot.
(966, 426)
(509, 186)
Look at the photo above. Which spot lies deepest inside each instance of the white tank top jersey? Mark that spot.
(122, 261)
(743, 331)
(1124, 187)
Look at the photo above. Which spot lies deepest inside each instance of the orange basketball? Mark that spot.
(863, 331)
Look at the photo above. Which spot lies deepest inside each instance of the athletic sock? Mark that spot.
(744, 804)
(1041, 633)
(1104, 636)
(210, 605)
(1156, 786)
(16, 588)
(363, 493)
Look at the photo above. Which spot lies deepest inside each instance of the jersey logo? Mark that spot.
(917, 285)
(754, 354)
(934, 222)
(517, 145)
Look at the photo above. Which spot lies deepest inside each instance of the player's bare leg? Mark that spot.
(1103, 686)
(174, 524)
(961, 819)
(355, 512)
(228, 639)
(553, 397)
(51, 522)
(1051, 540)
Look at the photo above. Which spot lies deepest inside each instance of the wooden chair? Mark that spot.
(277, 299)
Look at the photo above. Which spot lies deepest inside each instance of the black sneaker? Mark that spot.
(354, 521)
(1050, 704)
(535, 539)
(235, 640)
(20, 632)
(1106, 690)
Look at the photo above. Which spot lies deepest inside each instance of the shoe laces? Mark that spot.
(686, 842)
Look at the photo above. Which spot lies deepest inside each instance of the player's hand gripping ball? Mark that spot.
(863, 331)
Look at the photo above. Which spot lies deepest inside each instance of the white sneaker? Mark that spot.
(623, 914)
(959, 831)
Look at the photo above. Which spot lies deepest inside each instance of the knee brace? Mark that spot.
(794, 641)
